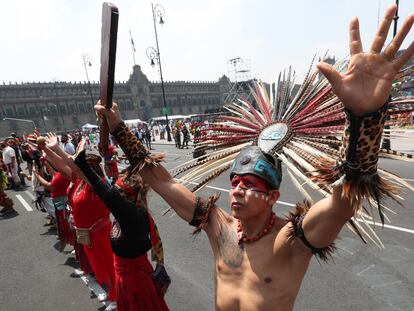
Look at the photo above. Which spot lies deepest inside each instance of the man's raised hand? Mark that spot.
(52, 141)
(366, 86)
(112, 115)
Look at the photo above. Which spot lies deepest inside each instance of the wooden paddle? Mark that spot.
(108, 55)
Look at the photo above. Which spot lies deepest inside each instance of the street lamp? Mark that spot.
(21, 120)
(155, 57)
(386, 143)
(87, 60)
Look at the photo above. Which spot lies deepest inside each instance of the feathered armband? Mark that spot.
(356, 168)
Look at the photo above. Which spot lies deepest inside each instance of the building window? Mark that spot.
(20, 111)
(81, 107)
(142, 103)
(9, 112)
(72, 108)
(32, 111)
(62, 109)
(130, 106)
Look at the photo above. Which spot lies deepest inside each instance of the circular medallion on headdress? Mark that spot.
(272, 135)
(246, 159)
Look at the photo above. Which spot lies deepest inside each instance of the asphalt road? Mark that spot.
(35, 276)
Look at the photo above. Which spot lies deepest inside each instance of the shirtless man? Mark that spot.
(262, 267)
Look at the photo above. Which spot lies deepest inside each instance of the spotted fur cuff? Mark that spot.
(356, 168)
(135, 151)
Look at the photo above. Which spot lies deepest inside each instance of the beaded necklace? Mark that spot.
(242, 237)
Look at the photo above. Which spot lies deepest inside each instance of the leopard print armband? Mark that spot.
(356, 168)
(361, 142)
(135, 151)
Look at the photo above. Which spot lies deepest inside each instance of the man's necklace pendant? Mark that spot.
(242, 237)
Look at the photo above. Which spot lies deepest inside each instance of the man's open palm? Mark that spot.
(366, 85)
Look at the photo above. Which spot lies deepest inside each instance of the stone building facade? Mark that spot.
(59, 106)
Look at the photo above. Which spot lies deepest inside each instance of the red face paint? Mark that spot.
(249, 182)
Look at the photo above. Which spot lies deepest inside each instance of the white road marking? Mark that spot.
(386, 284)
(365, 270)
(24, 203)
(30, 194)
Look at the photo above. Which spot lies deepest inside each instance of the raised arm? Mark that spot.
(364, 90)
(153, 173)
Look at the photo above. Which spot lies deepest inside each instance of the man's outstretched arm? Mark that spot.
(364, 90)
(181, 199)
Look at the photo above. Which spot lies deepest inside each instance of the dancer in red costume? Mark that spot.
(91, 217)
(58, 187)
(137, 286)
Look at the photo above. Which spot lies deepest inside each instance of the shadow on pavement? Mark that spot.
(50, 231)
(71, 262)
(9, 216)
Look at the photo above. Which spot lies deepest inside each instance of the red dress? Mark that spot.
(89, 210)
(135, 288)
(79, 250)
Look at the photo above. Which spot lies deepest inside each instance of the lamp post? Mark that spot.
(21, 120)
(87, 59)
(386, 143)
(56, 85)
(155, 56)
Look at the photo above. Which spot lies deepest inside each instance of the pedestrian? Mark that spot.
(148, 138)
(186, 137)
(10, 161)
(177, 137)
(68, 147)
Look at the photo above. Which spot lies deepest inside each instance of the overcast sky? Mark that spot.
(44, 40)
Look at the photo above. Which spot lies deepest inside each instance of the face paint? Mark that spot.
(249, 182)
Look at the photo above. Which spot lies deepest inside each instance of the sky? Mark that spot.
(44, 40)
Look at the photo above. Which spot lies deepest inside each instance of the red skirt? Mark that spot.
(63, 227)
(134, 286)
(80, 256)
(101, 258)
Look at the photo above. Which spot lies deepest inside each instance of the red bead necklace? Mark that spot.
(242, 237)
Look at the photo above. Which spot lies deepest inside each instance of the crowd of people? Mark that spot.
(78, 197)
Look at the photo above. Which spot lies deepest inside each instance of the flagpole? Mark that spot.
(133, 47)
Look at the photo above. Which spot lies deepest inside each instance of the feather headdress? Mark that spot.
(300, 129)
